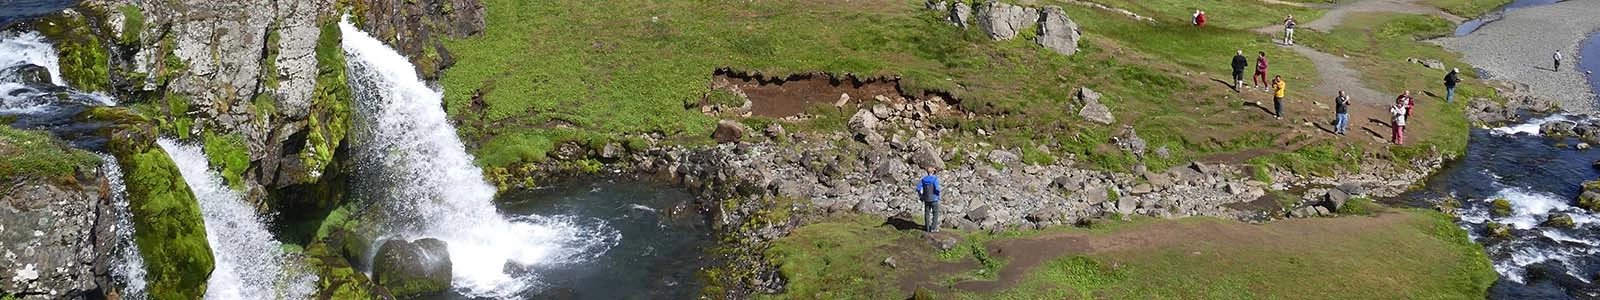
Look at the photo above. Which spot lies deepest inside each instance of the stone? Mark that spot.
(891, 171)
(1067, 183)
(928, 156)
(1234, 188)
(1497, 230)
(1002, 157)
(1558, 128)
(1098, 113)
(844, 99)
(942, 241)
(27, 74)
(1058, 32)
(1352, 189)
(961, 14)
(1323, 211)
(411, 269)
(1582, 146)
(1086, 95)
(890, 263)
(882, 111)
(1334, 199)
(612, 150)
(1500, 207)
(863, 123)
(1003, 21)
(1096, 195)
(775, 131)
(1558, 220)
(1126, 205)
(729, 131)
(52, 236)
(1202, 168)
(979, 214)
(1141, 189)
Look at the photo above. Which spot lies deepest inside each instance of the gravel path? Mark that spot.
(1337, 14)
(1518, 48)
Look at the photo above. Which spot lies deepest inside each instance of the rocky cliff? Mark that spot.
(57, 236)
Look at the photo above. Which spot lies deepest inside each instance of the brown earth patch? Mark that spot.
(780, 97)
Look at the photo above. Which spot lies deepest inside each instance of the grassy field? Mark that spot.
(1405, 254)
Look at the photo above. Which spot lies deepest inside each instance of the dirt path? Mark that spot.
(1025, 254)
(1337, 14)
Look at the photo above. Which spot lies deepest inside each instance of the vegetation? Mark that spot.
(85, 61)
(329, 120)
(1360, 206)
(169, 230)
(36, 154)
(1468, 8)
(132, 23)
(229, 154)
(1500, 207)
(1224, 14)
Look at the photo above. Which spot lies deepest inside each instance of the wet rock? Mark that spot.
(410, 269)
(1057, 32)
(1581, 146)
(1497, 231)
(1500, 207)
(729, 131)
(1484, 111)
(1590, 198)
(52, 236)
(1558, 220)
(27, 74)
(1558, 128)
(1003, 21)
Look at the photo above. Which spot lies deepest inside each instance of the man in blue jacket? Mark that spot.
(928, 189)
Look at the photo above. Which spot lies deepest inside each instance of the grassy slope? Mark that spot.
(36, 154)
(1423, 256)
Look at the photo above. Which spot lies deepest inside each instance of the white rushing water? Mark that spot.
(250, 263)
(128, 269)
(427, 184)
(29, 48)
(1528, 209)
(20, 48)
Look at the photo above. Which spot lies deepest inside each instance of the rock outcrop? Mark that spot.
(57, 237)
(1050, 25)
(1091, 109)
(1058, 32)
(410, 269)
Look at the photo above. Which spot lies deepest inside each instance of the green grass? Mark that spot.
(1468, 8)
(1231, 14)
(1361, 206)
(36, 154)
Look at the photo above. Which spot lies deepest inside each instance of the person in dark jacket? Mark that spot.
(1450, 81)
(1341, 111)
(928, 189)
(1239, 63)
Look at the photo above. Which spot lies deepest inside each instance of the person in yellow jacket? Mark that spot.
(1277, 95)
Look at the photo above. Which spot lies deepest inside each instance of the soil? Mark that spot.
(1025, 254)
(796, 94)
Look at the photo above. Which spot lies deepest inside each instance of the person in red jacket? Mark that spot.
(1199, 18)
(1261, 71)
(1406, 101)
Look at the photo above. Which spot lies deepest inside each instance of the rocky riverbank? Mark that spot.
(1519, 48)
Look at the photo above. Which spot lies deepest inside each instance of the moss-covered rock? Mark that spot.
(1558, 221)
(169, 229)
(410, 269)
(336, 278)
(85, 60)
(330, 102)
(1590, 198)
(1497, 230)
(1500, 207)
(36, 154)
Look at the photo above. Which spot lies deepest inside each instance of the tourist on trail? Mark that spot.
(1450, 81)
(1398, 122)
(1277, 95)
(1558, 60)
(1288, 30)
(1341, 110)
(928, 189)
(1261, 71)
(1239, 63)
(1199, 18)
(1406, 101)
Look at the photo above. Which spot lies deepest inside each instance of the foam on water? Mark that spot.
(19, 48)
(128, 270)
(250, 263)
(1528, 210)
(1530, 128)
(426, 184)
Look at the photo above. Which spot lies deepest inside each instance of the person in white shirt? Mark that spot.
(1398, 117)
(1558, 60)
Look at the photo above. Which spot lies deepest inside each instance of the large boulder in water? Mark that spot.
(1590, 198)
(409, 269)
(166, 217)
(28, 74)
(1558, 128)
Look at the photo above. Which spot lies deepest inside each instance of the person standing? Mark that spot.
(1288, 30)
(1558, 60)
(1239, 63)
(1341, 110)
(1450, 81)
(1199, 18)
(1406, 101)
(928, 189)
(1397, 114)
(1261, 71)
(1277, 95)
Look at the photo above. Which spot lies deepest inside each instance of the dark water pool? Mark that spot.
(1469, 26)
(12, 11)
(661, 249)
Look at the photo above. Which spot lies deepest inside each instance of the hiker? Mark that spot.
(1277, 95)
(1397, 114)
(1341, 111)
(1288, 30)
(928, 189)
(1199, 18)
(1558, 60)
(1261, 71)
(1406, 101)
(1239, 63)
(1450, 81)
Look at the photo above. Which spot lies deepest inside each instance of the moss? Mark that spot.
(132, 24)
(1501, 207)
(26, 153)
(169, 229)
(1360, 206)
(1497, 230)
(229, 153)
(336, 278)
(1559, 220)
(329, 120)
(84, 60)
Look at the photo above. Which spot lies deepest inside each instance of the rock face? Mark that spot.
(416, 27)
(1058, 32)
(1004, 21)
(57, 238)
(409, 269)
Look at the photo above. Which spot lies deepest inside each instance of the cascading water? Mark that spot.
(44, 103)
(416, 168)
(29, 48)
(128, 271)
(250, 264)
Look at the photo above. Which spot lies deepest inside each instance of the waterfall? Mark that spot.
(128, 268)
(426, 185)
(250, 263)
(20, 48)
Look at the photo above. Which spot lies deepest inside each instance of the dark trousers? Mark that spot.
(1277, 105)
(930, 213)
(1558, 65)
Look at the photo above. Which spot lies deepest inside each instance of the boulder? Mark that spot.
(1003, 21)
(52, 236)
(890, 263)
(1334, 199)
(1590, 198)
(27, 74)
(1092, 110)
(1002, 157)
(612, 150)
(1558, 220)
(928, 156)
(979, 214)
(410, 269)
(1126, 205)
(1581, 146)
(891, 171)
(775, 131)
(1057, 32)
(1141, 189)
(1500, 207)
(729, 131)
(862, 123)
(1352, 189)
(961, 15)
(1497, 230)
(1067, 183)
(1558, 128)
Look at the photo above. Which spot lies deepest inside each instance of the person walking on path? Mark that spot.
(1450, 81)
(1199, 18)
(1341, 110)
(1261, 71)
(1288, 30)
(1398, 122)
(1277, 95)
(1239, 63)
(1558, 60)
(928, 189)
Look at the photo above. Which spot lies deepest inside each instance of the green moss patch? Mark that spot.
(36, 154)
(170, 231)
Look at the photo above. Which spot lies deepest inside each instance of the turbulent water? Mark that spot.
(128, 272)
(44, 105)
(250, 263)
(1539, 180)
(412, 163)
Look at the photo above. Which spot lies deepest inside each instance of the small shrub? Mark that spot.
(1360, 206)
